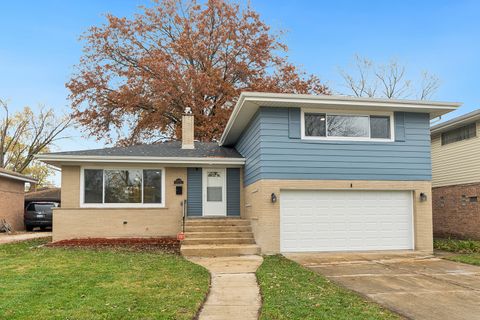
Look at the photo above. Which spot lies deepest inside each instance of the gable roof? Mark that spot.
(164, 152)
(456, 122)
(249, 102)
(16, 176)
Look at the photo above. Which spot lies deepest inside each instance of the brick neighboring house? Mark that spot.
(12, 194)
(456, 177)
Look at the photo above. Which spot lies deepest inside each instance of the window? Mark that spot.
(347, 126)
(119, 187)
(325, 125)
(93, 186)
(459, 134)
(380, 127)
(152, 186)
(123, 186)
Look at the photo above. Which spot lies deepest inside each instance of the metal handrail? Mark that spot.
(184, 214)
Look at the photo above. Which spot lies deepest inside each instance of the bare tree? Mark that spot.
(24, 134)
(388, 80)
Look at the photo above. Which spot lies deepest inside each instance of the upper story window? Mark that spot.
(344, 126)
(123, 187)
(459, 134)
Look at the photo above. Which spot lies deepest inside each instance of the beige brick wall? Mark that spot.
(188, 131)
(70, 221)
(265, 215)
(70, 195)
(12, 195)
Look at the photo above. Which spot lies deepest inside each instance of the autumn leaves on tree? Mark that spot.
(138, 75)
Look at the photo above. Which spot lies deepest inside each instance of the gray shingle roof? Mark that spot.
(164, 149)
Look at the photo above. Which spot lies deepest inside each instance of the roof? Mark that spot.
(48, 194)
(456, 122)
(16, 176)
(164, 152)
(249, 102)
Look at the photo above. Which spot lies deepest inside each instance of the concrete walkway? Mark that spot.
(8, 238)
(234, 292)
(415, 285)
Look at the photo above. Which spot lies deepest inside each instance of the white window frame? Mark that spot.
(348, 113)
(118, 205)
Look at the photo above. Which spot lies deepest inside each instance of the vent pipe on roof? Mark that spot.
(188, 129)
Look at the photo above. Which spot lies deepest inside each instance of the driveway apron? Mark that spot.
(414, 285)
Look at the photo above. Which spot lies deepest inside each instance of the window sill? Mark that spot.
(119, 207)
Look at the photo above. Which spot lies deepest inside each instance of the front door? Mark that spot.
(214, 193)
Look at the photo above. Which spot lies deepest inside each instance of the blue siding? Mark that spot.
(249, 146)
(233, 192)
(194, 192)
(271, 154)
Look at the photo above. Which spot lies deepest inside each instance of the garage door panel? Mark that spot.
(345, 220)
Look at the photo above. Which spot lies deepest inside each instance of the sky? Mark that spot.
(39, 44)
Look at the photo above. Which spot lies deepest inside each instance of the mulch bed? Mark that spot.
(170, 245)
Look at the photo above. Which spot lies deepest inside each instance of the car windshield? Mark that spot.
(41, 207)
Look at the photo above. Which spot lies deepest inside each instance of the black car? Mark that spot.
(39, 214)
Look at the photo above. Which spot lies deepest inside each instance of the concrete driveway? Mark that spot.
(412, 284)
(22, 236)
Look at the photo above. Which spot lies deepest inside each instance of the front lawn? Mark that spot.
(290, 291)
(468, 250)
(71, 283)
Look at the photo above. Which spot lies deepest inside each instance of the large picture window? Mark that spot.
(347, 126)
(118, 187)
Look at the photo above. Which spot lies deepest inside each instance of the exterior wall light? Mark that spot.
(423, 196)
(273, 198)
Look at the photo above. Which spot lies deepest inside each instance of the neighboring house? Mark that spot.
(309, 173)
(456, 177)
(12, 192)
(43, 195)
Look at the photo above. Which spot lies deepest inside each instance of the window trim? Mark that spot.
(348, 113)
(118, 205)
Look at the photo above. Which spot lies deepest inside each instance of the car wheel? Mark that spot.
(29, 228)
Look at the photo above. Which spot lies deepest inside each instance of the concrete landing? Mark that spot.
(234, 292)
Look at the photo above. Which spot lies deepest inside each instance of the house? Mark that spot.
(299, 173)
(12, 192)
(456, 177)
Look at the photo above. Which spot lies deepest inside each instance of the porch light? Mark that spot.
(273, 198)
(423, 196)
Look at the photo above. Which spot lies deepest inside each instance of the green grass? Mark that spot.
(469, 250)
(473, 258)
(291, 291)
(64, 283)
(460, 246)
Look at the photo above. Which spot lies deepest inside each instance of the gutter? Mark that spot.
(14, 177)
(140, 159)
(452, 123)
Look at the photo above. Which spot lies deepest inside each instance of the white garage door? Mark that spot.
(345, 220)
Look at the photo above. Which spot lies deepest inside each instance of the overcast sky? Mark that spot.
(39, 44)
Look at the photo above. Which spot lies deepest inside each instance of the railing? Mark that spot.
(184, 214)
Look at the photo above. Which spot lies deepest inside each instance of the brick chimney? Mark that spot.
(187, 129)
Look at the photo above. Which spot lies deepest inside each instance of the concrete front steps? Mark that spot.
(214, 237)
